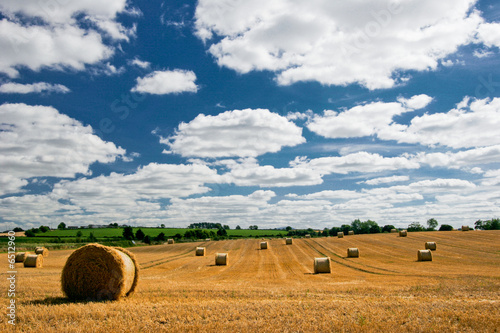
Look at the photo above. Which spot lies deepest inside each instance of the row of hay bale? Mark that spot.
(32, 260)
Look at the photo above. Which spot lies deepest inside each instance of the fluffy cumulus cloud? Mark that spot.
(363, 120)
(385, 180)
(337, 43)
(39, 87)
(167, 82)
(237, 133)
(463, 159)
(38, 141)
(66, 34)
(471, 124)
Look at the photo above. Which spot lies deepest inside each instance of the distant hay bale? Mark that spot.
(394, 230)
(170, 241)
(352, 252)
(200, 251)
(424, 255)
(221, 259)
(97, 272)
(322, 265)
(308, 236)
(430, 246)
(403, 233)
(289, 241)
(33, 260)
(350, 233)
(207, 240)
(263, 245)
(43, 251)
(340, 234)
(465, 228)
(20, 256)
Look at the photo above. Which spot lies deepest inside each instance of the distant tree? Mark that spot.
(415, 226)
(162, 225)
(326, 232)
(373, 227)
(61, 226)
(225, 226)
(288, 228)
(238, 227)
(253, 227)
(128, 233)
(222, 232)
(139, 234)
(356, 226)
(79, 233)
(17, 229)
(160, 237)
(147, 240)
(432, 224)
(388, 228)
(92, 238)
(29, 233)
(345, 228)
(445, 227)
(177, 236)
(493, 224)
(44, 228)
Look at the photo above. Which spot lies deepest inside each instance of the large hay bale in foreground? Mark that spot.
(289, 241)
(352, 252)
(170, 241)
(308, 236)
(263, 245)
(200, 251)
(430, 246)
(322, 265)
(465, 228)
(394, 230)
(424, 255)
(340, 234)
(221, 259)
(98, 272)
(20, 256)
(403, 233)
(43, 251)
(350, 233)
(33, 260)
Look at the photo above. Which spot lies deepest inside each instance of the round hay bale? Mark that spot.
(352, 252)
(207, 240)
(263, 245)
(308, 236)
(350, 233)
(170, 241)
(43, 251)
(430, 246)
(97, 272)
(394, 230)
(322, 265)
(200, 251)
(424, 255)
(465, 228)
(33, 260)
(289, 241)
(403, 233)
(20, 256)
(340, 234)
(221, 259)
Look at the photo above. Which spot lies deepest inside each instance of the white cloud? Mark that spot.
(416, 102)
(491, 177)
(357, 162)
(241, 133)
(489, 34)
(464, 127)
(337, 43)
(461, 159)
(39, 87)
(167, 82)
(139, 63)
(38, 141)
(385, 180)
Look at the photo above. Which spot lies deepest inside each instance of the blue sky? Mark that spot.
(308, 114)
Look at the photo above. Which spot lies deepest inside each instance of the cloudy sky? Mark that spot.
(274, 113)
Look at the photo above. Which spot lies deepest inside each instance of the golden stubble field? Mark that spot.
(275, 290)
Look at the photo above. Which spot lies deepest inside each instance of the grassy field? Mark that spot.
(275, 290)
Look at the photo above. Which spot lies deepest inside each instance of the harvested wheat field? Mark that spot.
(385, 289)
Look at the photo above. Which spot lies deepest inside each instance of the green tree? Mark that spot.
(29, 233)
(160, 237)
(79, 234)
(147, 240)
(445, 227)
(288, 228)
(226, 227)
(162, 225)
(17, 229)
(415, 226)
(92, 238)
(432, 224)
(139, 234)
(238, 227)
(388, 228)
(61, 226)
(44, 228)
(128, 233)
(222, 232)
(253, 227)
(356, 226)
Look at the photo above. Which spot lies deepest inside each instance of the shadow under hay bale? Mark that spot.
(322, 265)
(424, 255)
(430, 246)
(263, 245)
(20, 256)
(352, 252)
(33, 260)
(96, 272)
(43, 251)
(221, 259)
(403, 233)
(350, 233)
(289, 241)
(200, 251)
(340, 234)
